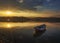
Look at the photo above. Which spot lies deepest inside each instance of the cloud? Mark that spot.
(20, 1)
(50, 13)
(48, 0)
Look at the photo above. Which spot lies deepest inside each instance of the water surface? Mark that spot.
(51, 35)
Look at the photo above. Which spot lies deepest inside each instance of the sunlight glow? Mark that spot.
(9, 12)
(8, 25)
(24, 14)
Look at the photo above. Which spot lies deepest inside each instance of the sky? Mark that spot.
(49, 8)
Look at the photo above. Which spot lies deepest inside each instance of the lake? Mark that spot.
(51, 35)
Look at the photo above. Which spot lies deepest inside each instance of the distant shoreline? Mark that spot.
(30, 19)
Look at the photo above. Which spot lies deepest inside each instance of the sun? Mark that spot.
(8, 12)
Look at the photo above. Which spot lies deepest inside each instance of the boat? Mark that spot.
(39, 30)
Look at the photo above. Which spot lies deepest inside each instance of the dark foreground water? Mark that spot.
(23, 33)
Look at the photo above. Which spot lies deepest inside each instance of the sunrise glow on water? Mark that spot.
(27, 24)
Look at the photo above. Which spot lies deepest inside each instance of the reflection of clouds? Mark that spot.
(28, 24)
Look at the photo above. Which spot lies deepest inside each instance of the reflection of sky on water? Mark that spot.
(27, 24)
(51, 35)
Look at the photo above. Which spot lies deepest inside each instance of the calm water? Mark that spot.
(28, 24)
(51, 35)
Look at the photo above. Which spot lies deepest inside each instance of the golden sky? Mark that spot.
(28, 13)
